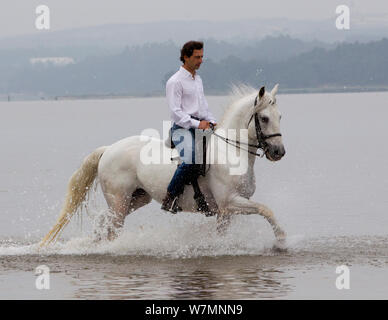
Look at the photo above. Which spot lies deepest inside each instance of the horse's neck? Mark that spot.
(237, 119)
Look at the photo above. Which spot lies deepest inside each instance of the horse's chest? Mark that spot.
(246, 185)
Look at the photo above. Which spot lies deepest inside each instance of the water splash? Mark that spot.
(155, 233)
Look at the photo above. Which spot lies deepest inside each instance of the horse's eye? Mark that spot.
(264, 119)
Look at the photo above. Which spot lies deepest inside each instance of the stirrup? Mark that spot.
(173, 207)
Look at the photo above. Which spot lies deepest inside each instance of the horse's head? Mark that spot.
(265, 124)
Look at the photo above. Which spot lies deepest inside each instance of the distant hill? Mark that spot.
(143, 70)
(361, 65)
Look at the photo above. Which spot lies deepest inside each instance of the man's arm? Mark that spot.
(174, 92)
(209, 116)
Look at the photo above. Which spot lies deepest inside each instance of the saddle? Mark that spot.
(170, 144)
(200, 170)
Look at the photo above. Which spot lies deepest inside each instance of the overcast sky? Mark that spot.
(18, 16)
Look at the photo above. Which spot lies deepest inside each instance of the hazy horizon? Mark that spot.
(246, 41)
(18, 18)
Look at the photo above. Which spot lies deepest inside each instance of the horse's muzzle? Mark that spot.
(275, 152)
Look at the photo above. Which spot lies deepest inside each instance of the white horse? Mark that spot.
(128, 183)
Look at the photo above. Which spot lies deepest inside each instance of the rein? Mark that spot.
(236, 143)
(261, 137)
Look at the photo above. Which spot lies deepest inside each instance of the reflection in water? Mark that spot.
(203, 278)
(238, 283)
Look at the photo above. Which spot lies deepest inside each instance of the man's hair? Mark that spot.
(189, 47)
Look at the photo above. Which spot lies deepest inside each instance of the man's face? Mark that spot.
(194, 62)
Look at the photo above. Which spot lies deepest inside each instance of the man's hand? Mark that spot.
(204, 125)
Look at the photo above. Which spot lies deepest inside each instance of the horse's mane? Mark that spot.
(237, 93)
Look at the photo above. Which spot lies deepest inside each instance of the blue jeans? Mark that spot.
(184, 140)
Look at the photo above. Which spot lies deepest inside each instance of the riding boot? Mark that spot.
(202, 205)
(170, 203)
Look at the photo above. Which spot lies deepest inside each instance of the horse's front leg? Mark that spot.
(223, 222)
(240, 205)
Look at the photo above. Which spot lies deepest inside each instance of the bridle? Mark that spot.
(261, 137)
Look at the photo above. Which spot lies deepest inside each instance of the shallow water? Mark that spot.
(306, 270)
(328, 193)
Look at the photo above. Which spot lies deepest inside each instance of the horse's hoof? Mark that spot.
(280, 245)
(279, 249)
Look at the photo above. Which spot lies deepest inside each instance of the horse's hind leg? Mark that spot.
(138, 199)
(111, 224)
(120, 206)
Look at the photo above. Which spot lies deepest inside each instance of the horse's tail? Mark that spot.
(79, 185)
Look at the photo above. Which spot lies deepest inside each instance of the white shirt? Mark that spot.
(185, 98)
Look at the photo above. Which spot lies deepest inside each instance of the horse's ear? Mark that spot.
(275, 90)
(261, 92)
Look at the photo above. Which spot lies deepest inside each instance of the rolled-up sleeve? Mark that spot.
(174, 93)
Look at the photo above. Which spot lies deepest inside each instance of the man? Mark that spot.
(189, 111)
